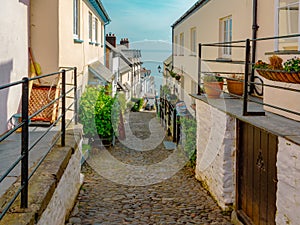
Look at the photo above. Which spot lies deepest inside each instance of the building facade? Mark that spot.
(242, 159)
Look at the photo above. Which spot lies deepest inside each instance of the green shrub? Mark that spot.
(87, 110)
(189, 128)
(103, 114)
(137, 104)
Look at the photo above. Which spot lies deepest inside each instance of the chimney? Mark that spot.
(111, 39)
(124, 41)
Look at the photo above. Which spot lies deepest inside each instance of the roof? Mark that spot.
(98, 6)
(190, 11)
(122, 56)
(99, 70)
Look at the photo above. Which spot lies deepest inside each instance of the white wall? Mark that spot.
(288, 186)
(215, 166)
(13, 54)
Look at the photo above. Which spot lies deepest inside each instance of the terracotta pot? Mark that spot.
(213, 89)
(235, 87)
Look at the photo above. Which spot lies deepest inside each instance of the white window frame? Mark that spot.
(193, 41)
(276, 21)
(181, 44)
(90, 27)
(96, 30)
(226, 36)
(76, 19)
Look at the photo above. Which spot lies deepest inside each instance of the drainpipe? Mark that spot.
(254, 36)
(104, 40)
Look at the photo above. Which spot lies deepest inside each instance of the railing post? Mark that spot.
(177, 129)
(63, 109)
(174, 124)
(247, 60)
(199, 68)
(75, 96)
(25, 143)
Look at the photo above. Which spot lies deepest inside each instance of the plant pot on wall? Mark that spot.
(213, 89)
(235, 87)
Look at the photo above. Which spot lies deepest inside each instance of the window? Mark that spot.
(181, 40)
(193, 41)
(102, 34)
(226, 36)
(287, 23)
(76, 19)
(90, 27)
(176, 45)
(96, 30)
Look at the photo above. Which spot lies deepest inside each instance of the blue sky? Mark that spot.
(141, 20)
(147, 25)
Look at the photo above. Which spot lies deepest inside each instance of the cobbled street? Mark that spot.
(125, 185)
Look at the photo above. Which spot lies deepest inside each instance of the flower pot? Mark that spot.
(235, 87)
(213, 89)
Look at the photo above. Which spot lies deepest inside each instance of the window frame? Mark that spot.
(76, 19)
(225, 36)
(181, 44)
(96, 30)
(277, 23)
(90, 19)
(193, 37)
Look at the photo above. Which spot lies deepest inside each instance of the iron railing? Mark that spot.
(252, 82)
(26, 147)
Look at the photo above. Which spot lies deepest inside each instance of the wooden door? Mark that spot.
(256, 175)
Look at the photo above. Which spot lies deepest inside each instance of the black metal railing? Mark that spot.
(26, 146)
(252, 82)
(169, 118)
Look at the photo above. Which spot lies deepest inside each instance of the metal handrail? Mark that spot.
(248, 70)
(25, 147)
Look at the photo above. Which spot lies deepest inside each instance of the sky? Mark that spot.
(141, 20)
(147, 25)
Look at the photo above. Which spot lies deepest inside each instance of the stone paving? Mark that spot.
(125, 185)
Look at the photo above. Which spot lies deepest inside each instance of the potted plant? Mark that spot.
(213, 85)
(235, 85)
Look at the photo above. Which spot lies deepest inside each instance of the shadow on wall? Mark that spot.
(5, 73)
(25, 2)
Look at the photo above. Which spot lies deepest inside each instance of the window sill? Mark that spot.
(78, 41)
(283, 52)
(223, 60)
(91, 43)
(97, 44)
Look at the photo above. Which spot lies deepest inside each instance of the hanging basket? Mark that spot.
(235, 87)
(280, 75)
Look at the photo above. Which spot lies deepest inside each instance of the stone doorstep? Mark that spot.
(41, 185)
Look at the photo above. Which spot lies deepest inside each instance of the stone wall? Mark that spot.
(288, 186)
(53, 187)
(216, 139)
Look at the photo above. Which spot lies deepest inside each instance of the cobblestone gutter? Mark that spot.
(53, 188)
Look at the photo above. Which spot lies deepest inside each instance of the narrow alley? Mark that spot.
(168, 193)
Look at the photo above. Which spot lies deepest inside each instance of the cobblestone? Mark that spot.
(178, 199)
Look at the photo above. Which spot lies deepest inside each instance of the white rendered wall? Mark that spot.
(215, 164)
(288, 186)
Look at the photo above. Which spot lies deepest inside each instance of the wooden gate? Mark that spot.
(256, 175)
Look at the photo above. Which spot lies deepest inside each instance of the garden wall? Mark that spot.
(215, 166)
(288, 186)
(53, 188)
